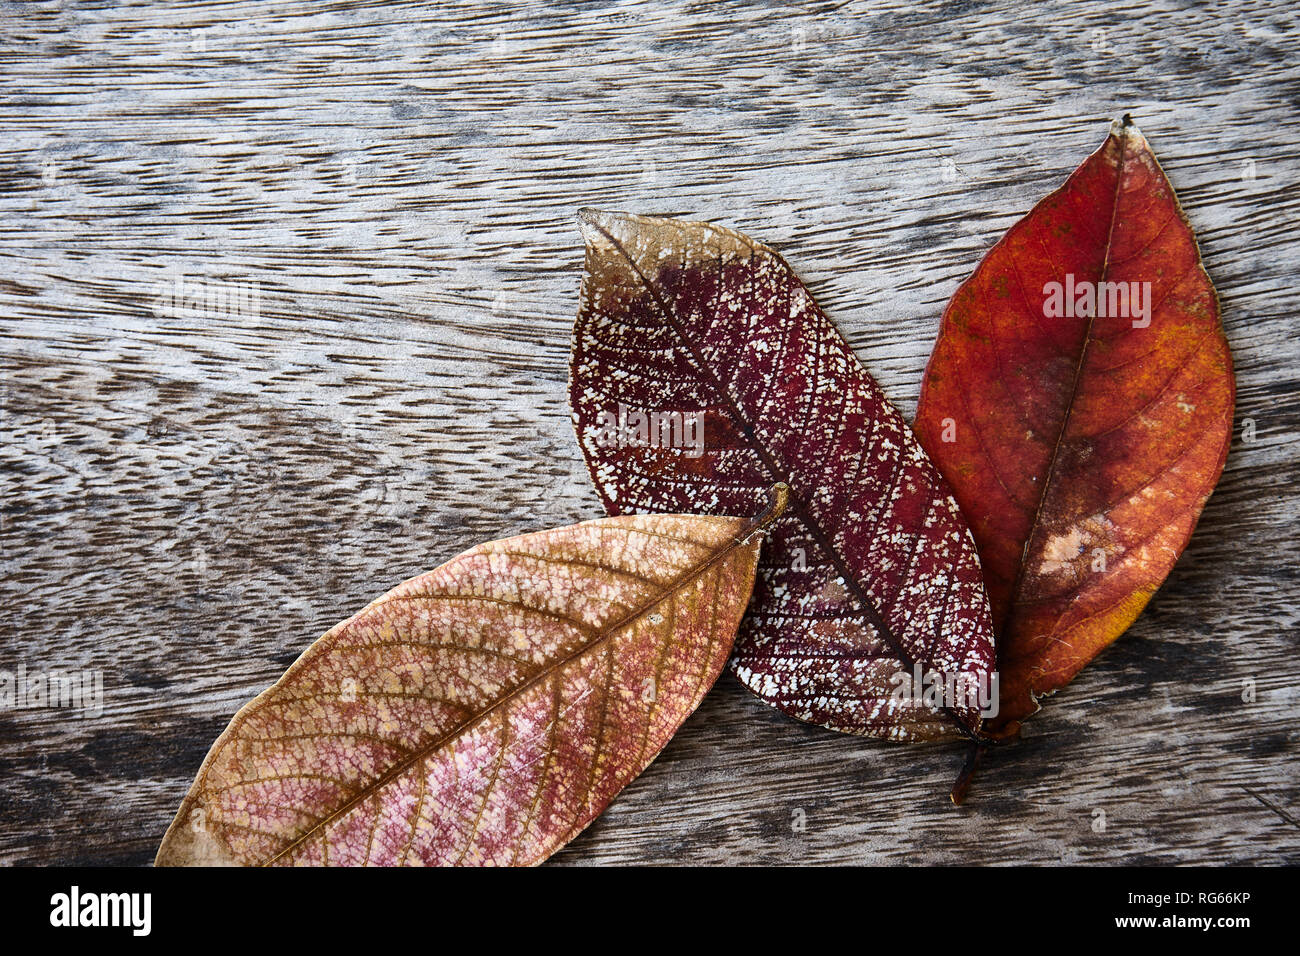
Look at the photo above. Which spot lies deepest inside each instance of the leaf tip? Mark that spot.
(596, 224)
(186, 844)
(779, 496)
(1126, 127)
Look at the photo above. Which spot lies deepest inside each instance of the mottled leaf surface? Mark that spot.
(872, 568)
(1081, 448)
(484, 712)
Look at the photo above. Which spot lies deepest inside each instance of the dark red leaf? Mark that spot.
(872, 571)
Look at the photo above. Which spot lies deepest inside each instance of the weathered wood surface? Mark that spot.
(190, 500)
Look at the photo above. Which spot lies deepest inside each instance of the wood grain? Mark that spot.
(189, 500)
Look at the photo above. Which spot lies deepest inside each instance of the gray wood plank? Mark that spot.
(190, 500)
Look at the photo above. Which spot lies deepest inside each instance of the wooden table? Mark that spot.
(190, 500)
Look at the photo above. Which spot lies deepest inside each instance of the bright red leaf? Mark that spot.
(1079, 401)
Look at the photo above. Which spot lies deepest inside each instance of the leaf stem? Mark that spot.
(973, 756)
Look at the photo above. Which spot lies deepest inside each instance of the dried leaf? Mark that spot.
(872, 571)
(484, 712)
(1081, 448)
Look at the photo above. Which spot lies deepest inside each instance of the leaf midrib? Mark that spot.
(1069, 405)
